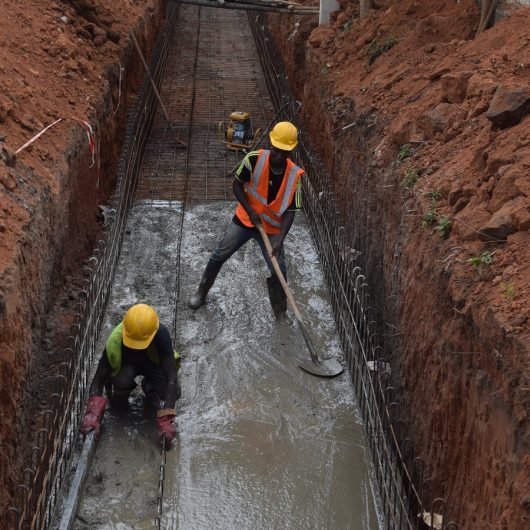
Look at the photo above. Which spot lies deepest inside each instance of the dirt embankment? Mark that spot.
(426, 130)
(71, 60)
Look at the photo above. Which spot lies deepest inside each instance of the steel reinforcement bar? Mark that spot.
(37, 495)
(399, 472)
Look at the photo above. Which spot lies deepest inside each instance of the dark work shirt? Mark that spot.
(244, 173)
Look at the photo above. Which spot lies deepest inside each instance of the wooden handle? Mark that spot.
(279, 273)
(312, 350)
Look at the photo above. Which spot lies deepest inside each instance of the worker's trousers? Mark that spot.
(155, 379)
(234, 238)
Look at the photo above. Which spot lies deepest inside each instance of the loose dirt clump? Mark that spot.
(426, 130)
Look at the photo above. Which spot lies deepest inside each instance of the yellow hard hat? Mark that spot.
(284, 135)
(139, 326)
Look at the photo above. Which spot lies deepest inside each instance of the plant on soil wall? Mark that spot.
(429, 219)
(410, 178)
(508, 290)
(347, 25)
(325, 69)
(405, 151)
(435, 196)
(444, 227)
(376, 48)
(483, 260)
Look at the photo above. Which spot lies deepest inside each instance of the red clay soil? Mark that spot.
(58, 59)
(426, 130)
(441, 190)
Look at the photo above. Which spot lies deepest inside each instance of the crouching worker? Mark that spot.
(267, 188)
(140, 345)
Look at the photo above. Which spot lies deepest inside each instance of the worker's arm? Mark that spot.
(239, 192)
(165, 416)
(96, 403)
(243, 175)
(101, 377)
(169, 366)
(287, 222)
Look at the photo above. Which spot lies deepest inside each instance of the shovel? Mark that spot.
(328, 367)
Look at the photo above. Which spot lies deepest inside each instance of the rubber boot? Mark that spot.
(278, 300)
(208, 279)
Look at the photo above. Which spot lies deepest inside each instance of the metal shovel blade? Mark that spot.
(323, 368)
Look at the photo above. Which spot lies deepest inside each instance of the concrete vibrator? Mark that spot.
(238, 133)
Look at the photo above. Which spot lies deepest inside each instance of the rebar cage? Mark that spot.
(399, 473)
(37, 495)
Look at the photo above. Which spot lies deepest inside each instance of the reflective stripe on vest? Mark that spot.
(113, 349)
(257, 189)
(258, 170)
(271, 221)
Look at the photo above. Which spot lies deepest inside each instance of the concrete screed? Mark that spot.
(261, 444)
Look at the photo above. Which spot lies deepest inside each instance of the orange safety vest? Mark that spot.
(257, 189)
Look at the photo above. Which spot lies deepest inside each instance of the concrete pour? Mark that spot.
(261, 444)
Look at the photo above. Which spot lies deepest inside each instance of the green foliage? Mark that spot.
(377, 48)
(444, 226)
(410, 178)
(405, 151)
(508, 290)
(429, 219)
(435, 196)
(484, 259)
(347, 25)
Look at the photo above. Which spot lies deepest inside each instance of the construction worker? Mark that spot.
(140, 345)
(267, 187)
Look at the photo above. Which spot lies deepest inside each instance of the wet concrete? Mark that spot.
(261, 444)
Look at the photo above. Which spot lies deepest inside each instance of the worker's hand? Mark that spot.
(255, 219)
(167, 430)
(94, 413)
(276, 248)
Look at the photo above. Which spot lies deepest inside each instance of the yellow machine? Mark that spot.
(238, 133)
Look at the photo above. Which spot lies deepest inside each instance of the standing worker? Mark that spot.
(267, 187)
(140, 345)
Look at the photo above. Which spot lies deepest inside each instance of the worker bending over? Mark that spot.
(267, 187)
(140, 345)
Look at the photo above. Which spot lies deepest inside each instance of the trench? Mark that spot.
(261, 444)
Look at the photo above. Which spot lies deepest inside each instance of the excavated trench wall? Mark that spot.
(465, 428)
(60, 232)
(463, 413)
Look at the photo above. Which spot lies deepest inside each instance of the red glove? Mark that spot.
(94, 413)
(166, 428)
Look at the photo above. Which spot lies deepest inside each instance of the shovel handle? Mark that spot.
(292, 303)
(278, 271)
